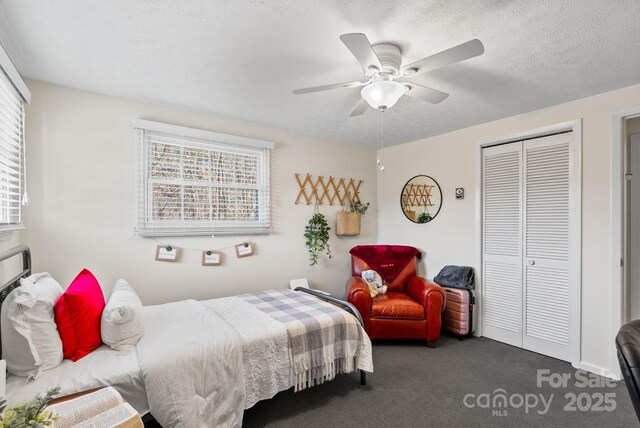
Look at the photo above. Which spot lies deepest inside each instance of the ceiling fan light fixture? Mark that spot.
(382, 94)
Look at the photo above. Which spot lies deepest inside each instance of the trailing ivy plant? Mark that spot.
(317, 235)
(30, 415)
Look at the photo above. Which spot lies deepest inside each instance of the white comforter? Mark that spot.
(192, 363)
(266, 360)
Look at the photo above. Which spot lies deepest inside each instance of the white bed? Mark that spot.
(122, 370)
(200, 363)
(104, 366)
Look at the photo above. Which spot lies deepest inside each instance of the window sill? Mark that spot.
(6, 234)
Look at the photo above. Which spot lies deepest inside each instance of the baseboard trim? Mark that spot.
(592, 368)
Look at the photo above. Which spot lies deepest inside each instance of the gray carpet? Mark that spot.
(414, 386)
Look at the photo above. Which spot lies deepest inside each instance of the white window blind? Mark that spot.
(194, 182)
(11, 154)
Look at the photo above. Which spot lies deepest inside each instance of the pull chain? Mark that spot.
(381, 135)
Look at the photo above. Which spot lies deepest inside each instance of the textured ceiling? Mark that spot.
(242, 58)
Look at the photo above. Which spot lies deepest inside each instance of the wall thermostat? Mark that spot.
(459, 192)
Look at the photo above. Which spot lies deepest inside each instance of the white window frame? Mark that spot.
(15, 95)
(191, 137)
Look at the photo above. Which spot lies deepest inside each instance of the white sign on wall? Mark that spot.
(211, 258)
(166, 253)
(244, 250)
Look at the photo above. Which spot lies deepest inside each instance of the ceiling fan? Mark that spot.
(382, 66)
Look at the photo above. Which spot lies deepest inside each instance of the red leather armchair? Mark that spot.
(412, 306)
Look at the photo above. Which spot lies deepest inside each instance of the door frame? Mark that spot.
(575, 234)
(633, 223)
(617, 229)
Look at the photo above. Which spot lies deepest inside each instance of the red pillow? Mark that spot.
(77, 315)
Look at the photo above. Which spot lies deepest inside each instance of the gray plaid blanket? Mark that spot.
(324, 340)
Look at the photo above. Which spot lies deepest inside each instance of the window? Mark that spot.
(13, 94)
(194, 182)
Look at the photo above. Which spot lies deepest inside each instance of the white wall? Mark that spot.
(450, 238)
(13, 266)
(81, 178)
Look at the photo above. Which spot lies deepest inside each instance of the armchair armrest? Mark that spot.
(433, 298)
(357, 293)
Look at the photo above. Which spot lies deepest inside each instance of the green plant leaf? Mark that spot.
(32, 414)
(317, 237)
(424, 217)
(359, 207)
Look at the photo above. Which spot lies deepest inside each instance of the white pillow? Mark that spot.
(122, 323)
(30, 339)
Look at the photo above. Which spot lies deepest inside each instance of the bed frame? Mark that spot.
(14, 282)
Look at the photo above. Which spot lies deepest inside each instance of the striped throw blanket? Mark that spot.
(324, 340)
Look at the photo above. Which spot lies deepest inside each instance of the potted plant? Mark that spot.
(32, 414)
(348, 220)
(317, 235)
(424, 217)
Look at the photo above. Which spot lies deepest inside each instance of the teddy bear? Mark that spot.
(374, 283)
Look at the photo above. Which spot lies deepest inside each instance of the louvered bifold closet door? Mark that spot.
(502, 243)
(546, 242)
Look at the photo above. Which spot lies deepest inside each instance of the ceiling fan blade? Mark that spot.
(455, 54)
(360, 108)
(426, 94)
(360, 47)
(355, 84)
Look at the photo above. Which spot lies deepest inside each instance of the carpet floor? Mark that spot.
(453, 385)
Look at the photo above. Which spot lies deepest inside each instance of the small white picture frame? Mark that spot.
(166, 253)
(211, 258)
(244, 250)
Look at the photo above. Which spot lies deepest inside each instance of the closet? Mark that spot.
(530, 200)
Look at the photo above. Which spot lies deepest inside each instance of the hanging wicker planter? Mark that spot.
(348, 223)
(411, 215)
(348, 220)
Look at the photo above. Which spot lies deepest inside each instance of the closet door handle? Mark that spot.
(532, 262)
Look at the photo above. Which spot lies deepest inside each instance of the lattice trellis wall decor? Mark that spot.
(417, 195)
(334, 190)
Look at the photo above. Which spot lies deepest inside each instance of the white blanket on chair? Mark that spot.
(203, 363)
